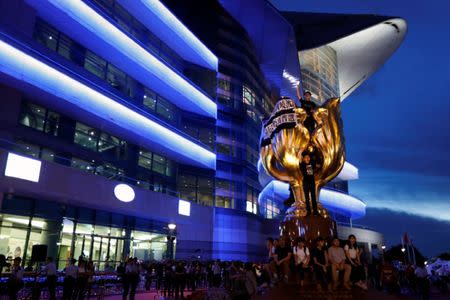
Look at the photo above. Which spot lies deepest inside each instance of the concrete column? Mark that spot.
(50, 236)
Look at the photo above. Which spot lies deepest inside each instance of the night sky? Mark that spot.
(397, 125)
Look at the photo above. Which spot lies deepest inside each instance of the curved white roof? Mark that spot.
(362, 53)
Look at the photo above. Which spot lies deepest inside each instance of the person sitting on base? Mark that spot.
(283, 255)
(309, 187)
(301, 258)
(336, 257)
(320, 259)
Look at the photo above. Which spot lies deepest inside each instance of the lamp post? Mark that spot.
(383, 248)
(171, 239)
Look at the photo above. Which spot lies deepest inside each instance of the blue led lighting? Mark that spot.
(23, 67)
(99, 35)
(332, 200)
(154, 15)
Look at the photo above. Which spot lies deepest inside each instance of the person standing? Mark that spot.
(15, 282)
(216, 271)
(301, 258)
(70, 279)
(82, 279)
(423, 281)
(320, 259)
(309, 106)
(336, 258)
(50, 272)
(132, 277)
(307, 167)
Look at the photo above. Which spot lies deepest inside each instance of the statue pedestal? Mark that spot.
(308, 227)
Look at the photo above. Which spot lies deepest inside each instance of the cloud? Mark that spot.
(411, 193)
(430, 236)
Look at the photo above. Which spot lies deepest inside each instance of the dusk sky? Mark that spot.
(396, 124)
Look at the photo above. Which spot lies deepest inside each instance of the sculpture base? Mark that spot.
(308, 227)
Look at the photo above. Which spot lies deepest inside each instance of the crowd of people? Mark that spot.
(319, 267)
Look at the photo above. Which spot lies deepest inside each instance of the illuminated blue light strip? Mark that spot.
(156, 16)
(332, 200)
(25, 68)
(115, 38)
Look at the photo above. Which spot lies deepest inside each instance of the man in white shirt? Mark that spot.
(50, 272)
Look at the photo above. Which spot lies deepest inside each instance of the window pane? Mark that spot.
(86, 136)
(145, 159)
(47, 154)
(46, 34)
(28, 149)
(159, 164)
(82, 165)
(33, 116)
(52, 123)
(149, 99)
(165, 109)
(116, 78)
(95, 64)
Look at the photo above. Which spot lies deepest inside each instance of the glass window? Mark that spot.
(206, 136)
(145, 159)
(116, 78)
(82, 165)
(95, 64)
(159, 164)
(252, 200)
(148, 245)
(205, 192)
(149, 99)
(47, 154)
(225, 202)
(28, 149)
(86, 136)
(223, 149)
(112, 145)
(46, 34)
(33, 116)
(52, 123)
(13, 233)
(187, 187)
(248, 96)
(39, 118)
(224, 85)
(165, 109)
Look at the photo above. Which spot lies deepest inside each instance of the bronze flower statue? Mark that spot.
(285, 140)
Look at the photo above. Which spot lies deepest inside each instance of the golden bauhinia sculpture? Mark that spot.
(289, 143)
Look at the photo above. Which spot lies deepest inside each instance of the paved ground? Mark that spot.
(292, 292)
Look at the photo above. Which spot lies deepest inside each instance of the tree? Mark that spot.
(395, 253)
(444, 256)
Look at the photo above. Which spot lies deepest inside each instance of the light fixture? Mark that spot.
(184, 207)
(403, 249)
(124, 192)
(172, 31)
(133, 58)
(26, 68)
(172, 226)
(22, 167)
(383, 247)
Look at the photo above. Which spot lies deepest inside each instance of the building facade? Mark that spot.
(133, 115)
